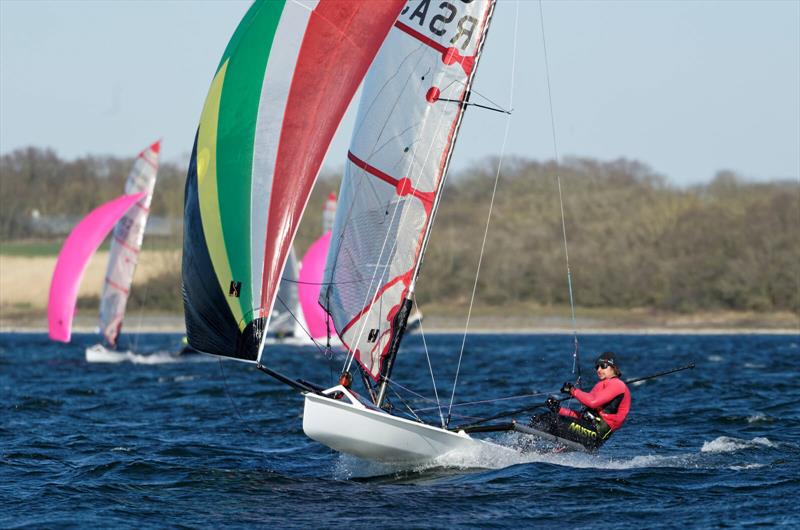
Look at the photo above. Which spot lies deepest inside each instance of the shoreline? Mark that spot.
(171, 323)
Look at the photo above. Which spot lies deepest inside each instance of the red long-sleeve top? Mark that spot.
(600, 400)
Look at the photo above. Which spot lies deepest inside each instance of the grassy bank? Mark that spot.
(483, 319)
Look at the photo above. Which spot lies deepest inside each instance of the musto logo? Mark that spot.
(582, 430)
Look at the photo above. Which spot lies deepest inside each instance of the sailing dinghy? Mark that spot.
(278, 94)
(127, 216)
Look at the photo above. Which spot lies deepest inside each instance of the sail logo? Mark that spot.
(373, 335)
(235, 289)
(446, 21)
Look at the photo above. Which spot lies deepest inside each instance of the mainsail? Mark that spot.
(78, 248)
(278, 95)
(410, 111)
(126, 244)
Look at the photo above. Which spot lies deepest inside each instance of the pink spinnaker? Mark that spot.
(309, 284)
(79, 247)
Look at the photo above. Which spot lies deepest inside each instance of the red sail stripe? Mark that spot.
(126, 246)
(142, 207)
(424, 39)
(449, 55)
(402, 186)
(147, 160)
(116, 286)
(372, 170)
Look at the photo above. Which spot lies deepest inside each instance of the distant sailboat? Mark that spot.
(127, 215)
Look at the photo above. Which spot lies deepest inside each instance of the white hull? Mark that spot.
(100, 354)
(348, 426)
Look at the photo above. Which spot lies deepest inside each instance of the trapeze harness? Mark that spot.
(607, 405)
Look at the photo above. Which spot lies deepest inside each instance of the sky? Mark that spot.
(688, 88)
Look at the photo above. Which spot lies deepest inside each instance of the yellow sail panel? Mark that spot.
(207, 186)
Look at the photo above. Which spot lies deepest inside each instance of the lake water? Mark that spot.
(150, 442)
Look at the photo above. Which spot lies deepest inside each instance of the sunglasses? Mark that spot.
(603, 365)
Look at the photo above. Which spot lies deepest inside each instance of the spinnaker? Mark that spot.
(276, 99)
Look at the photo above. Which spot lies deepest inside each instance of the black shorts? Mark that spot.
(590, 433)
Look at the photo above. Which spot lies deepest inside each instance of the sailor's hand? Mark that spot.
(553, 404)
(568, 388)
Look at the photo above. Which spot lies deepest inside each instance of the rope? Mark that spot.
(488, 218)
(233, 404)
(485, 401)
(430, 368)
(575, 359)
(326, 352)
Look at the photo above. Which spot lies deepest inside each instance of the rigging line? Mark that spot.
(468, 104)
(404, 402)
(488, 217)
(420, 396)
(496, 105)
(297, 321)
(233, 403)
(575, 359)
(430, 366)
(140, 318)
(485, 401)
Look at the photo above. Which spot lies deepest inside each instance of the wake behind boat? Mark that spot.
(98, 353)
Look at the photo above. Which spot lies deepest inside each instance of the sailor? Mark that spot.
(605, 408)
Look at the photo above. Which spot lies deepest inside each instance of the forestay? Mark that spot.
(278, 95)
(126, 243)
(409, 115)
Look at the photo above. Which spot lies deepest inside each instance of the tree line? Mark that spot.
(633, 239)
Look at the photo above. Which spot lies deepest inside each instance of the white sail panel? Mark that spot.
(126, 243)
(271, 108)
(408, 119)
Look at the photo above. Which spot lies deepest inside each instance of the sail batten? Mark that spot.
(279, 93)
(408, 119)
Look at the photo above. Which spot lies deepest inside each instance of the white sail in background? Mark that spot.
(408, 119)
(126, 243)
